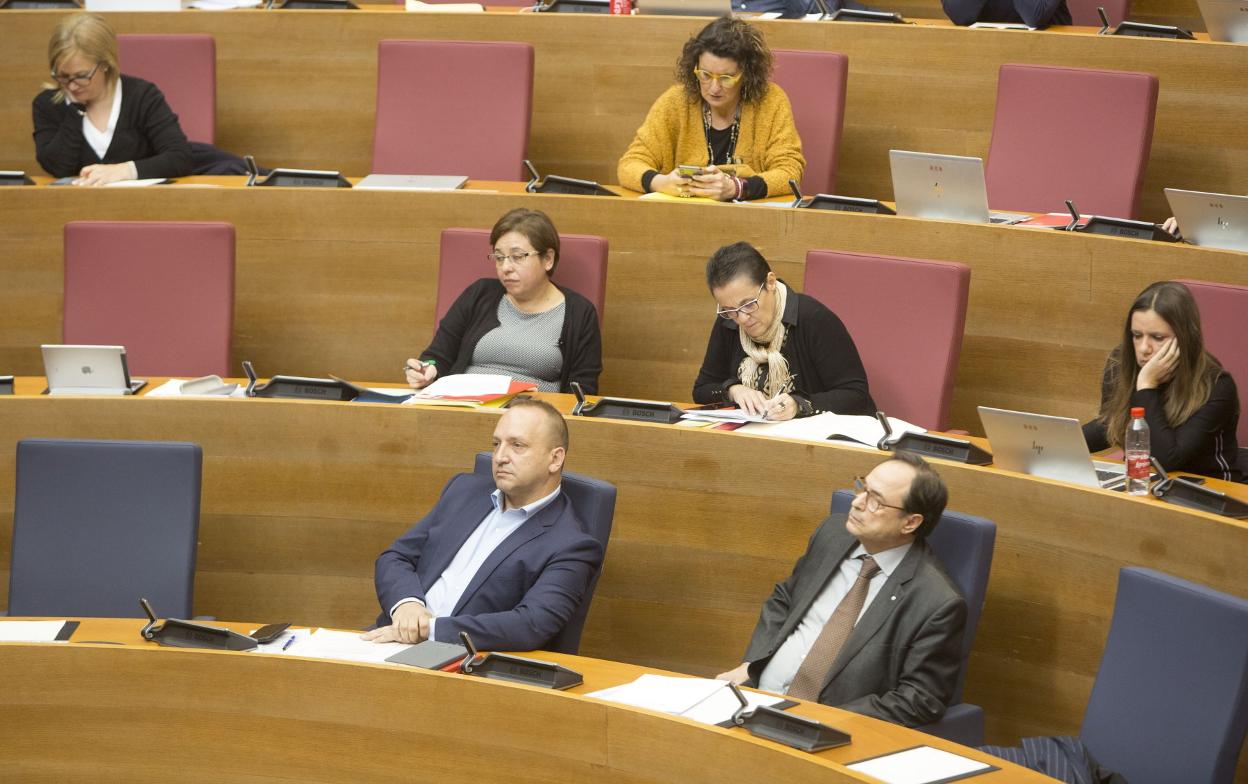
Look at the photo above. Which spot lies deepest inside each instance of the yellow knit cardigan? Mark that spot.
(672, 134)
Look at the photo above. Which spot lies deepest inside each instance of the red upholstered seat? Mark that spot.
(453, 107)
(906, 318)
(815, 83)
(1070, 133)
(184, 67)
(1224, 323)
(462, 260)
(165, 291)
(1083, 12)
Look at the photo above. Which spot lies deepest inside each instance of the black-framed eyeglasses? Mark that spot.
(78, 79)
(745, 308)
(515, 257)
(874, 502)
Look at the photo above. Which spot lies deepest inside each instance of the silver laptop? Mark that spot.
(1048, 446)
(1215, 220)
(411, 182)
(951, 187)
(685, 7)
(88, 370)
(1226, 20)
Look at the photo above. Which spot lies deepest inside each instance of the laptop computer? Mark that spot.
(1214, 220)
(1049, 446)
(1226, 20)
(88, 370)
(411, 182)
(685, 7)
(951, 187)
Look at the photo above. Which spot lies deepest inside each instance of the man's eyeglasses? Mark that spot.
(78, 79)
(727, 81)
(745, 308)
(515, 257)
(874, 502)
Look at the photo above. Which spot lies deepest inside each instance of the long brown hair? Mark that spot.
(1192, 382)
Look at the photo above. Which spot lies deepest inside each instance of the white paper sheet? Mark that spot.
(723, 415)
(467, 385)
(223, 5)
(444, 8)
(30, 631)
(864, 430)
(920, 765)
(344, 646)
(173, 388)
(701, 699)
(286, 642)
(136, 183)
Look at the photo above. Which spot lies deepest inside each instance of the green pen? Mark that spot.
(423, 365)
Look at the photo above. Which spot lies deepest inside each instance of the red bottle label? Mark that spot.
(621, 7)
(1138, 466)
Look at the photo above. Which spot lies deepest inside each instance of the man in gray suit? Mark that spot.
(868, 621)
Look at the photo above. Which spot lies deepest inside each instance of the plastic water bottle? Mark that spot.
(1136, 446)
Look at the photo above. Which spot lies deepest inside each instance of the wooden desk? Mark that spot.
(294, 90)
(139, 712)
(341, 281)
(300, 497)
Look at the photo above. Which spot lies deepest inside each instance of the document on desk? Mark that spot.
(723, 415)
(701, 699)
(36, 631)
(863, 431)
(344, 646)
(920, 765)
(173, 388)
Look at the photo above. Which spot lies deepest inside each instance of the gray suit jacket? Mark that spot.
(901, 661)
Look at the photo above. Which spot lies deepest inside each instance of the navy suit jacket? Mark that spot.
(901, 661)
(525, 591)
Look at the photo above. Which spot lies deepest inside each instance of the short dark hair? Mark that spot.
(732, 261)
(554, 420)
(536, 227)
(733, 39)
(927, 495)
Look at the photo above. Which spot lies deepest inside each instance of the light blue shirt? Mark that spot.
(778, 675)
(445, 593)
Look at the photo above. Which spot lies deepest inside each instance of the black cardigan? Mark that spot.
(147, 133)
(822, 358)
(475, 313)
(1205, 444)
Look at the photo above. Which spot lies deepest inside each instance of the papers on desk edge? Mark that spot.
(474, 390)
(861, 431)
(920, 765)
(36, 631)
(700, 699)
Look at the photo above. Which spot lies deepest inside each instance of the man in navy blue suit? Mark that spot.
(506, 560)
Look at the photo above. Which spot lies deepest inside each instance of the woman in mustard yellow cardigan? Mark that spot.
(724, 116)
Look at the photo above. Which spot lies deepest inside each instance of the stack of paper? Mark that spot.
(470, 390)
(723, 415)
(30, 631)
(920, 765)
(343, 646)
(852, 430)
(444, 8)
(701, 699)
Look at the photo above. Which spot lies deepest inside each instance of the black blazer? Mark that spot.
(901, 661)
(475, 313)
(147, 133)
(823, 360)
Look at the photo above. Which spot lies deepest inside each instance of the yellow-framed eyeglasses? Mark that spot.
(727, 81)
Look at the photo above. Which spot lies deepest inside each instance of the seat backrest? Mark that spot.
(453, 107)
(906, 318)
(964, 544)
(98, 524)
(164, 290)
(1070, 133)
(594, 502)
(1223, 316)
(462, 259)
(1170, 701)
(815, 83)
(184, 67)
(1083, 12)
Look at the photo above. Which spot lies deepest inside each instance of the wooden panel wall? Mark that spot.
(298, 88)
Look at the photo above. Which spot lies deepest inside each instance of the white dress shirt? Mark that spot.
(445, 593)
(100, 140)
(780, 671)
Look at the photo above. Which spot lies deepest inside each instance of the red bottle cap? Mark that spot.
(1137, 412)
